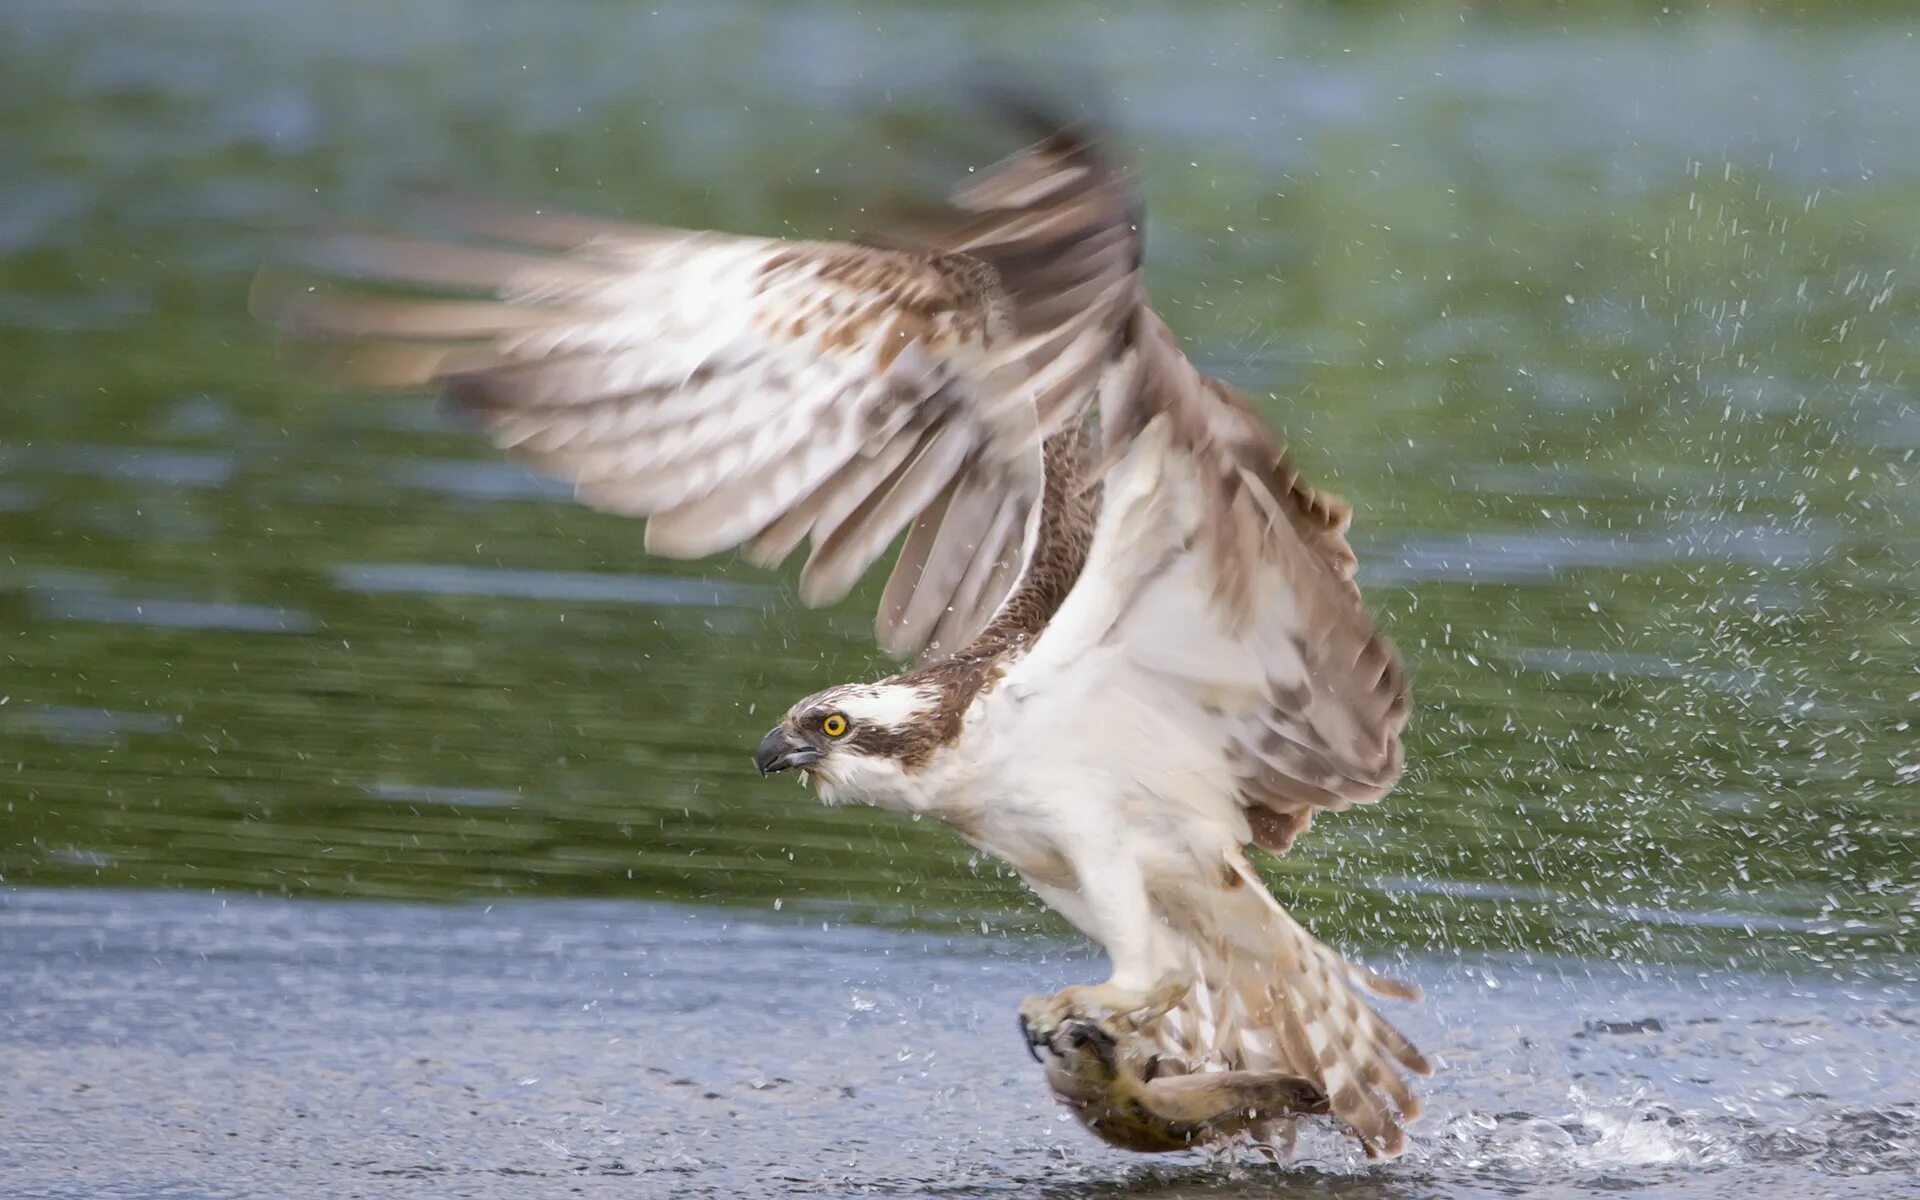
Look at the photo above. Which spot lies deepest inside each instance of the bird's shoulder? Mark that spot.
(952, 689)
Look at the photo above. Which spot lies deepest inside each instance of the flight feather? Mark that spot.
(757, 393)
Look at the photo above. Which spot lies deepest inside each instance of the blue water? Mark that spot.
(163, 1044)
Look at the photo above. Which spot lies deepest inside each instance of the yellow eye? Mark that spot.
(834, 725)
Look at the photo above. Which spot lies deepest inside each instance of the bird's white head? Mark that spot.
(859, 743)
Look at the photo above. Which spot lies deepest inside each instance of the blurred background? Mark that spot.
(1605, 322)
(1604, 317)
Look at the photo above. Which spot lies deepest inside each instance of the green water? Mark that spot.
(1607, 326)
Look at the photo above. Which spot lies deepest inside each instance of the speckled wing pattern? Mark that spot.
(1253, 610)
(756, 393)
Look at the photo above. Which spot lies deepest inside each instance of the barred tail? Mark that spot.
(1269, 996)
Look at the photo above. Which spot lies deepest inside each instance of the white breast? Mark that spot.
(1040, 777)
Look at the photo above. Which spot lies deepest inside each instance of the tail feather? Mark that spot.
(1269, 996)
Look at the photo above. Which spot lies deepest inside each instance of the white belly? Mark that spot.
(1108, 820)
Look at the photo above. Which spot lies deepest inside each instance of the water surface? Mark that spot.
(199, 1046)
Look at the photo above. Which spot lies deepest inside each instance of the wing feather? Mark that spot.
(962, 538)
(743, 506)
(757, 393)
(1229, 584)
(828, 505)
(903, 583)
(973, 602)
(839, 559)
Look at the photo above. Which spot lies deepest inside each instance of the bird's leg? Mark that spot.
(1112, 898)
(1116, 1008)
(1118, 1012)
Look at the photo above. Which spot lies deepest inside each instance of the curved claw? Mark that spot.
(1028, 1039)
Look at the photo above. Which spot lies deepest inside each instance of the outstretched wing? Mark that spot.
(1224, 586)
(757, 393)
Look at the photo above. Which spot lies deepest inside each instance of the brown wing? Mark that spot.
(1058, 227)
(1228, 585)
(1325, 732)
(757, 393)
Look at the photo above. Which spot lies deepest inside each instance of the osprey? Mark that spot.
(1142, 650)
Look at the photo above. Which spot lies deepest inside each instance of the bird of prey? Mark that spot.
(1141, 648)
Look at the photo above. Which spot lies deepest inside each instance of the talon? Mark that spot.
(1040, 1020)
(1029, 1040)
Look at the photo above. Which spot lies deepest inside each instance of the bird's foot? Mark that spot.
(1113, 1010)
(1084, 1045)
(1040, 1021)
(1132, 1007)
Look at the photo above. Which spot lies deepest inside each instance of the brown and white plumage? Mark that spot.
(1143, 654)
(1216, 653)
(757, 393)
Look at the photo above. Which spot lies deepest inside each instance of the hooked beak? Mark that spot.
(778, 751)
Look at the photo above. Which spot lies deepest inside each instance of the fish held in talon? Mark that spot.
(1134, 1098)
(1137, 649)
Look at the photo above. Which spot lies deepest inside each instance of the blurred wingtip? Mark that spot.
(1016, 99)
(1021, 105)
(320, 336)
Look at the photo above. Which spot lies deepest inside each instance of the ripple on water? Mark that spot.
(88, 726)
(175, 468)
(526, 584)
(1582, 912)
(478, 480)
(20, 497)
(455, 797)
(166, 613)
(1563, 660)
(1529, 556)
